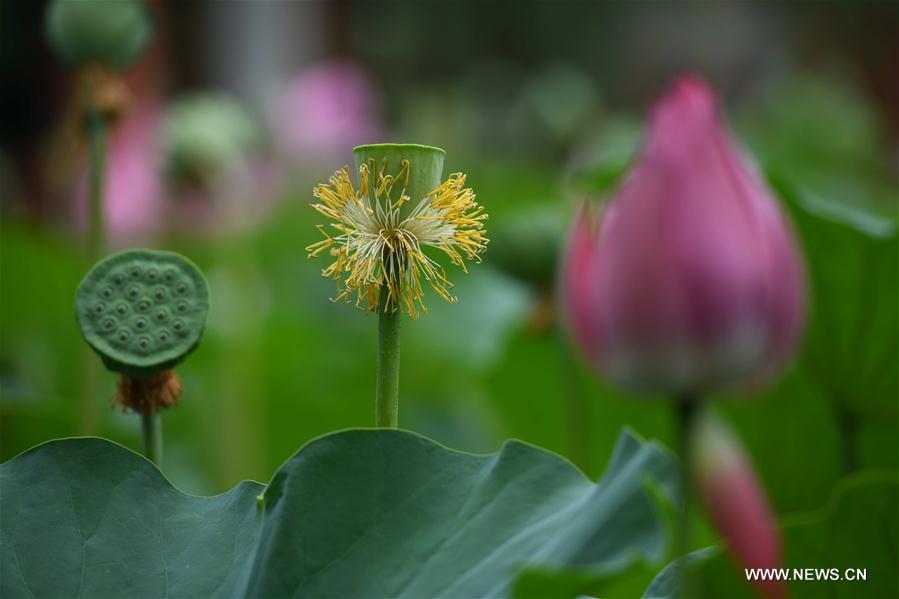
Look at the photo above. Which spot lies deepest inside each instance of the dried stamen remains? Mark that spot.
(377, 247)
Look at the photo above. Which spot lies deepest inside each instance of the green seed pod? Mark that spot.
(142, 311)
(113, 34)
(206, 134)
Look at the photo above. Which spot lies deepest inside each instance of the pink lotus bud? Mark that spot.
(735, 500)
(579, 282)
(690, 280)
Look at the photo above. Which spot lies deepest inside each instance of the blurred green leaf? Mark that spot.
(354, 513)
(527, 245)
(851, 345)
(826, 133)
(666, 584)
(797, 464)
(539, 583)
(602, 178)
(864, 506)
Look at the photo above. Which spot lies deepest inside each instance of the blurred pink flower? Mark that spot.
(690, 279)
(735, 500)
(325, 111)
(133, 190)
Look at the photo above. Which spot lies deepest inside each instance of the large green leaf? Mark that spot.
(355, 513)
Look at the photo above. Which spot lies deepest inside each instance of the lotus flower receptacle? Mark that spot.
(143, 311)
(379, 231)
(110, 34)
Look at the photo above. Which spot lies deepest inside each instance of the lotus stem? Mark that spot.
(686, 406)
(577, 413)
(96, 125)
(388, 381)
(96, 130)
(151, 427)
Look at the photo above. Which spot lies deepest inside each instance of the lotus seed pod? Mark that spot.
(113, 34)
(206, 135)
(398, 209)
(425, 165)
(142, 311)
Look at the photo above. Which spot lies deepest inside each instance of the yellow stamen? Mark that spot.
(376, 246)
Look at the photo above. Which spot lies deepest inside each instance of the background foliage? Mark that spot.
(537, 126)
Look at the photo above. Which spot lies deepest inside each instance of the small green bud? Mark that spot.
(112, 33)
(205, 135)
(142, 311)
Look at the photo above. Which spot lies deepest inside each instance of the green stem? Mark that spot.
(151, 426)
(90, 392)
(96, 125)
(96, 130)
(577, 413)
(687, 405)
(847, 424)
(388, 382)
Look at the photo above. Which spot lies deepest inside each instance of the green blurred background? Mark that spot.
(240, 108)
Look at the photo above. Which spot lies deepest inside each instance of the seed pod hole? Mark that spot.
(134, 292)
(100, 308)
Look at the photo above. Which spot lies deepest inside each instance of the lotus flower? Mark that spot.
(735, 500)
(324, 110)
(690, 279)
